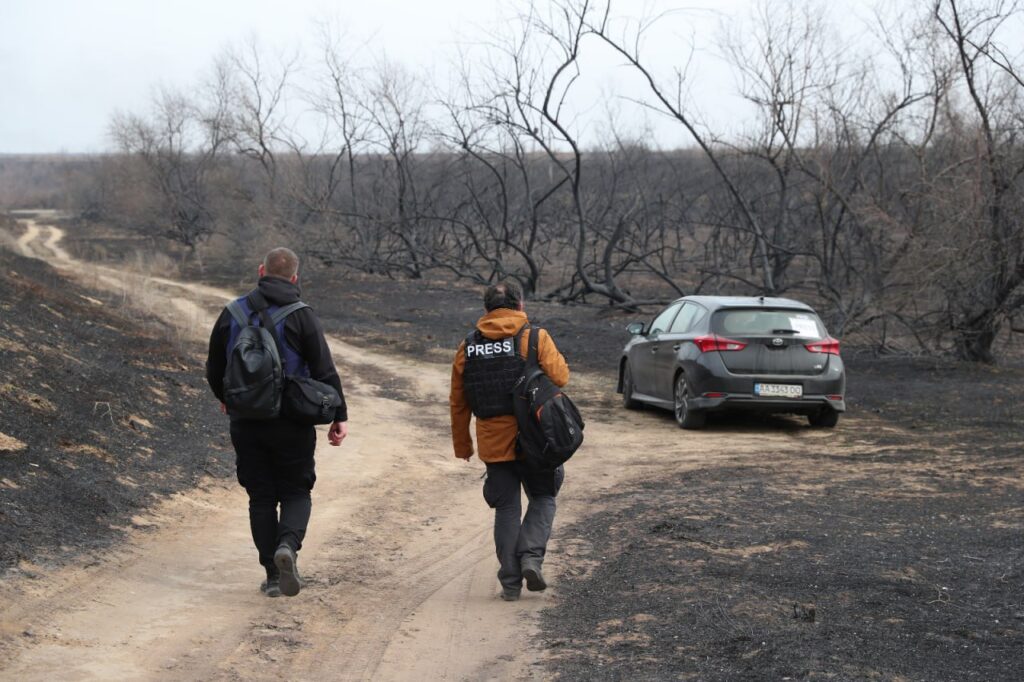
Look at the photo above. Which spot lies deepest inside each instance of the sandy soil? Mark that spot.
(399, 556)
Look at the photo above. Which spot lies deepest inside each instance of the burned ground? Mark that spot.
(103, 411)
(900, 560)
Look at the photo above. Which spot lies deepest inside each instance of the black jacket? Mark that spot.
(302, 331)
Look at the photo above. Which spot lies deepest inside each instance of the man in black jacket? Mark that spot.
(274, 457)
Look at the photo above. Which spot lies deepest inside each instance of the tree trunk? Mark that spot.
(975, 338)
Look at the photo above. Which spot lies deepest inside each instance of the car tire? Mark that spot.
(685, 417)
(825, 418)
(628, 401)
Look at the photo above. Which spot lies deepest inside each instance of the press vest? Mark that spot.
(492, 368)
(292, 362)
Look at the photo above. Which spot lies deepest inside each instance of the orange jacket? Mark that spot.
(496, 437)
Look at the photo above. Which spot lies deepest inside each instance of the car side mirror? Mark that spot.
(636, 328)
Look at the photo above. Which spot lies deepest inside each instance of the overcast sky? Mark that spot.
(67, 65)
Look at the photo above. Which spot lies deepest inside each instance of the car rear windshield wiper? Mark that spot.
(785, 331)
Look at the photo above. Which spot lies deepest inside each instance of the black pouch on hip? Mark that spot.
(308, 401)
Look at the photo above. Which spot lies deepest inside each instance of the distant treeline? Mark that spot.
(41, 180)
(888, 190)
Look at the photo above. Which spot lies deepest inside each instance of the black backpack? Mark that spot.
(254, 377)
(550, 425)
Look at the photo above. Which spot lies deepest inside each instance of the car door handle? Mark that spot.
(654, 350)
(677, 346)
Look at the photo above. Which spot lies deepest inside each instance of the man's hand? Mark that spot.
(223, 408)
(338, 432)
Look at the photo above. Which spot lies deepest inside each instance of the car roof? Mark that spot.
(719, 302)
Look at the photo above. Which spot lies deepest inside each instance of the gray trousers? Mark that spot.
(520, 540)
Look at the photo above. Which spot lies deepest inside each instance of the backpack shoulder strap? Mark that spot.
(518, 338)
(271, 329)
(271, 322)
(531, 354)
(238, 314)
(533, 368)
(286, 311)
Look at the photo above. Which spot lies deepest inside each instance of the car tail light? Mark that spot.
(829, 346)
(834, 398)
(713, 394)
(715, 342)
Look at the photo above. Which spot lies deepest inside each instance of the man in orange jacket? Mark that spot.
(485, 370)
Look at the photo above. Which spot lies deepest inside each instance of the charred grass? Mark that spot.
(898, 557)
(102, 411)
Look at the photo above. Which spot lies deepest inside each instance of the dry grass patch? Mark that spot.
(88, 450)
(13, 394)
(10, 443)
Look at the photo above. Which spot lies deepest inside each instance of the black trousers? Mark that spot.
(275, 465)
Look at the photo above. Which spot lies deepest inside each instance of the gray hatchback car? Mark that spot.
(704, 354)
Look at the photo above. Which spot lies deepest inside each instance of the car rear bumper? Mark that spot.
(741, 401)
(709, 375)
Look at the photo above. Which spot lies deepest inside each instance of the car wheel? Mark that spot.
(685, 417)
(628, 401)
(825, 418)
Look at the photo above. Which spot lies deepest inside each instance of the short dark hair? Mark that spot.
(281, 262)
(506, 294)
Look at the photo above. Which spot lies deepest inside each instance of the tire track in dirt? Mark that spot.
(399, 556)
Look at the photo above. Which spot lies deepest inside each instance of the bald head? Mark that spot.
(281, 262)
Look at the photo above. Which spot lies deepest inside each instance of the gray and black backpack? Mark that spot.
(550, 424)
(254, 377)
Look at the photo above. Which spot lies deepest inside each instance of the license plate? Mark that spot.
(779, 390)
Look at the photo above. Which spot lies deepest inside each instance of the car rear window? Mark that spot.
(764, 322)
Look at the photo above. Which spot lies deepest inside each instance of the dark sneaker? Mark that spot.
(534, 578)
(289, 580)
(508, 594)
(271, 587)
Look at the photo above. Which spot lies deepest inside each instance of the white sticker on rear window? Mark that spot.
(804, 326)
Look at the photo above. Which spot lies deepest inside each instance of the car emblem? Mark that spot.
(777, 342)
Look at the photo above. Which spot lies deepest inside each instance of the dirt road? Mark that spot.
(398, 556)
